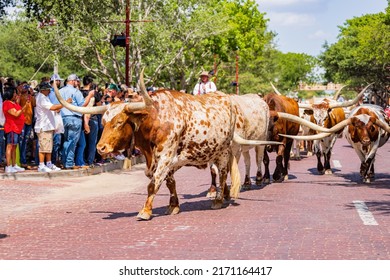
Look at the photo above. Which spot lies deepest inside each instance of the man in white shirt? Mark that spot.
(44, 127)
(204, 85)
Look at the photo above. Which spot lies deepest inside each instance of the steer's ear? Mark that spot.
(136, 112)
(308, 112)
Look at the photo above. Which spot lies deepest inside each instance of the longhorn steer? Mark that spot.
(173, 129)
(279, 103)
(366, 129)
(327, 114)
(252, 123)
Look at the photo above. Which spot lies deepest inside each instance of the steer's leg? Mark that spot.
(318, 153)
(266, 167)
(159, 175)
(173, 207)
(259, 159)
(278, 175)
(287, 159)
(247, 160)
(327, 146)
(222, 164)
(213, 187)
(327, 155)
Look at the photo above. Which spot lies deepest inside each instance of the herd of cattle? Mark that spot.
(174, 129)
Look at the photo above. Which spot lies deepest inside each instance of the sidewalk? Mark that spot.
(107, 167)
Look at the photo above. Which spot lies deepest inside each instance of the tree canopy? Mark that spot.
(362, 53)
(180, 39)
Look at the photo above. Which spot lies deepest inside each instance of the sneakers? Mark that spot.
(44, 168)
(120, 157)
(53, 167)
(18, 168)
(10, 169)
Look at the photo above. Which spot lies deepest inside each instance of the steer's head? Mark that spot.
(321, 112)
(363, 128)
(117, 132)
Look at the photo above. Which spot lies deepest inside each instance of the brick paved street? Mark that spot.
(94, 217)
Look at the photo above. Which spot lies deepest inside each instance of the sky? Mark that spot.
(304, 25)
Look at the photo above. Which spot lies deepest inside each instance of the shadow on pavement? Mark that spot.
(2, 235)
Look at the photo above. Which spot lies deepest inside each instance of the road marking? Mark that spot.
(365, 214)
(336, 164)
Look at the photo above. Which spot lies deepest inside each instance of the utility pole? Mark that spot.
(118, 40)
(127, 62)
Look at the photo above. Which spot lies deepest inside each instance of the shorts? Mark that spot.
(13, 138)
(45, 140)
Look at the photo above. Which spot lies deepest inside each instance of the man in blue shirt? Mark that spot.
(72, 120)
(55, 155)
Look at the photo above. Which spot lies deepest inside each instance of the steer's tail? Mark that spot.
(235, 176)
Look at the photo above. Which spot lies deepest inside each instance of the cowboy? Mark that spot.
(204, 85)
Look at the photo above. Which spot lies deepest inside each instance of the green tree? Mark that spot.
(182, 40)
(293, 68)
(362, 53)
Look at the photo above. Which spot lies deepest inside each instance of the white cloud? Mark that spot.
(299, 6)
(291, 19)
(321, 35)
(284, 3)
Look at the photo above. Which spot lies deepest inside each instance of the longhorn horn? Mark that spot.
(144, 92)
(318, 136)
(337, 94)
(83, 110)
(275, 89)
(351, 102)
(340, 125)
(239, 140)
(382, 125)
(301, 121)
(305, 106)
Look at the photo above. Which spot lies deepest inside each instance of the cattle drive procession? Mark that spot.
(181, 139)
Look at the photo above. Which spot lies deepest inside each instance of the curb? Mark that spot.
(107, 167)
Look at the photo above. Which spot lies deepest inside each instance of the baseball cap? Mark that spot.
(44, 86)
(55, 77)
(73, 77)
(114, 86)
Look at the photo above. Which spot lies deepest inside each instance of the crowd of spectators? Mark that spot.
(37, 132)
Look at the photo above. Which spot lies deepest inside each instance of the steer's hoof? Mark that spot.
(172, 210)
(266, 181)
(328, 172)
(309, 154)
(367, 180)
(259, 181)
(212, 193)
(246, 187)
(144, 216)
(216, 204)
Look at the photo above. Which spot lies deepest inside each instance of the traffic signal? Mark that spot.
(118, 40)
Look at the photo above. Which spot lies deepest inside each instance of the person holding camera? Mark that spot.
(57, 138)
(26, 101)
(13, 126)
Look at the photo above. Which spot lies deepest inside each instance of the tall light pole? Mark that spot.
(125, 42)
(127, 62)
